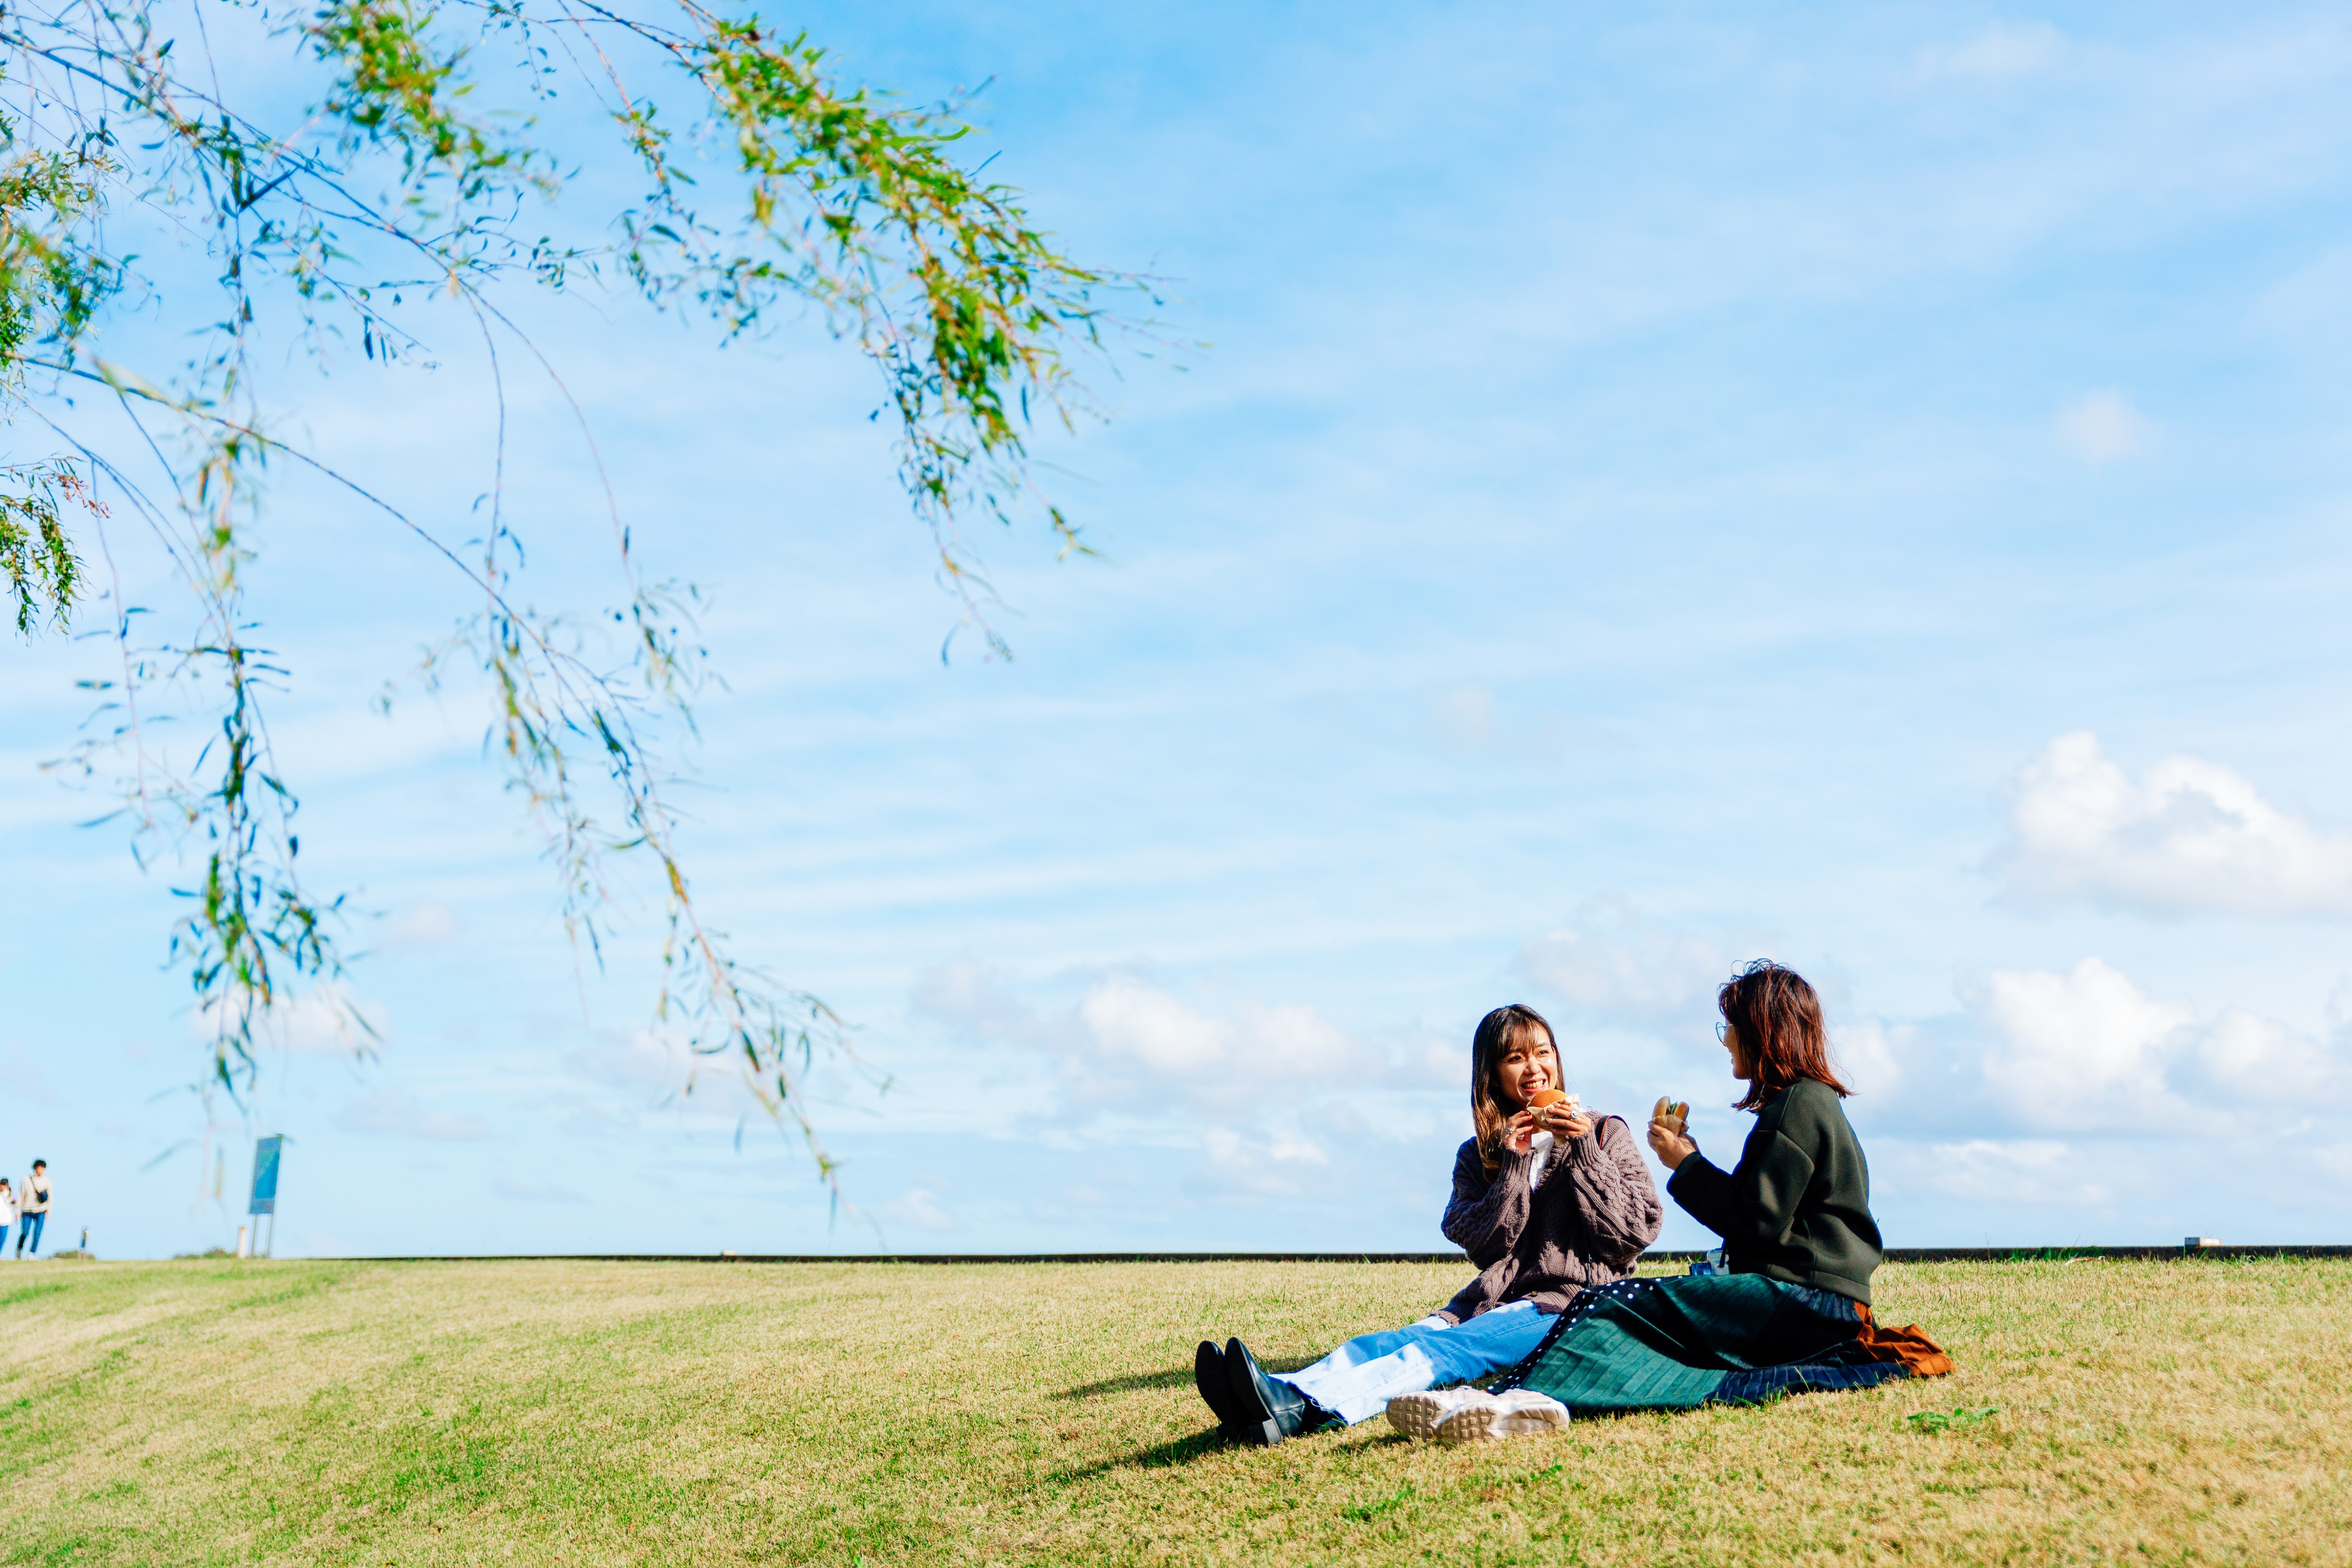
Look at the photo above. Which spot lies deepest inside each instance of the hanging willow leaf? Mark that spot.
(428, 163)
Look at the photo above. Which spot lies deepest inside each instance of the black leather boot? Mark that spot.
(1209, 1376)
(1266, 1410)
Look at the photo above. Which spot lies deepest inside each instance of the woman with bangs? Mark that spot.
(1547, 1200)
(1788, 1311)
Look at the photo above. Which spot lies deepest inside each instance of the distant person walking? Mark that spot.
(34, 1208)
(7, 1213)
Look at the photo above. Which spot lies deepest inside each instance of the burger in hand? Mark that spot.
(1558, 1113)
(1670, 1131)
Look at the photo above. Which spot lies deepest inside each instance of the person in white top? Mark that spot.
(34, 1207)
(7, 1213)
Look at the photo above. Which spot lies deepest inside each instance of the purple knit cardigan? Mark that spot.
(1585, 1225)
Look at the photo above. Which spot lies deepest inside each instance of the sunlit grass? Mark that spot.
(351, 1413)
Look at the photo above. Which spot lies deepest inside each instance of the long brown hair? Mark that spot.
(1778, 1018)
(1498, 1031)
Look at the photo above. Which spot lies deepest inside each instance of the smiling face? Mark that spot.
(1528, 1063)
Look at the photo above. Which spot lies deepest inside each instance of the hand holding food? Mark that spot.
(1670, 1133)
(1559, 1114)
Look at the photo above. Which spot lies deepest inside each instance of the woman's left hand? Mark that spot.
(1565, 1120)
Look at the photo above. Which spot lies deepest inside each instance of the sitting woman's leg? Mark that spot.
(1239, 1406)
(1355, 1380)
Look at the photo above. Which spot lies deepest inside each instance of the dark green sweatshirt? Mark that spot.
(1797, 1207)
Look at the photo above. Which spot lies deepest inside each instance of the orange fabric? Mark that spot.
(1909, 1344)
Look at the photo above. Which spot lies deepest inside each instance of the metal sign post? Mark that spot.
(264, 1189)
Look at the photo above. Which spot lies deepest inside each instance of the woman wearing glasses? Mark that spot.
(1796, 1206)
(1791, 1312)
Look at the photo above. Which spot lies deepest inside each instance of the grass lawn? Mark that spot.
(588, 1412)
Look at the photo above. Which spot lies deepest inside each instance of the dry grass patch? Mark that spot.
(542, 1413)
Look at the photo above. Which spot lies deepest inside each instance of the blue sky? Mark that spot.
(1863, 485)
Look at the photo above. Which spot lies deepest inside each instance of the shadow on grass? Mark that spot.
(1180, 1378)
(1182, 1452)
(1176, 1377)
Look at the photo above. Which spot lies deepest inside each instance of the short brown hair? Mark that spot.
(1498, 1031)
(1778, 1018)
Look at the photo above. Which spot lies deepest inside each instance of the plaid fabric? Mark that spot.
(1676, 1344)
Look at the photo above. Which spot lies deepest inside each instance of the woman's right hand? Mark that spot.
(1670, 1143)
(1522, 1132)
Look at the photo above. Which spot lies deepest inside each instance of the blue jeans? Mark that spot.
(1355, 1380)
(28, 1232)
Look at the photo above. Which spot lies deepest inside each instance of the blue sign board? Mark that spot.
(265, 1175)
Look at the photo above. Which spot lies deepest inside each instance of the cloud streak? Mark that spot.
(328, 1020)
(2188, 837)
(1127, 1038)
(391, 1113)
(1636, 973)
(2087, 1052)
(918, 1208)
(1274, 1099)
(2104, 427)
(2003, 52)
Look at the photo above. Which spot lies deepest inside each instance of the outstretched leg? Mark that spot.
(1357, 1381)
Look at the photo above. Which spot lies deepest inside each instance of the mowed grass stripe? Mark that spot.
(2195, 1410)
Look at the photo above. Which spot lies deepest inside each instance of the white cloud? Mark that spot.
(1134, 1021)
(659, 1062)
(918, 1207)
(2089, 1051)
(1227, 1147)
(1275, 1098)
(327, 1018)
(420, 927)
(1869, 1055)
(2025, 1170)
(643, 1058)
(2191, 836)
(967, 993)
(1268, 1165)
(2260, 1065)
(390, 1114)
(1127, 1036)
(1642, 974)
(2102, 427)
(2083, 1049)
(2002, 52)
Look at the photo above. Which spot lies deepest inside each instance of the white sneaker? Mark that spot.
(1419, 1415)
(1492, 1417)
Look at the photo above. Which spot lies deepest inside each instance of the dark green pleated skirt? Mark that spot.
(1702, 1338)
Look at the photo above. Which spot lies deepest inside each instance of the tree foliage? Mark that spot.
(423, 157)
